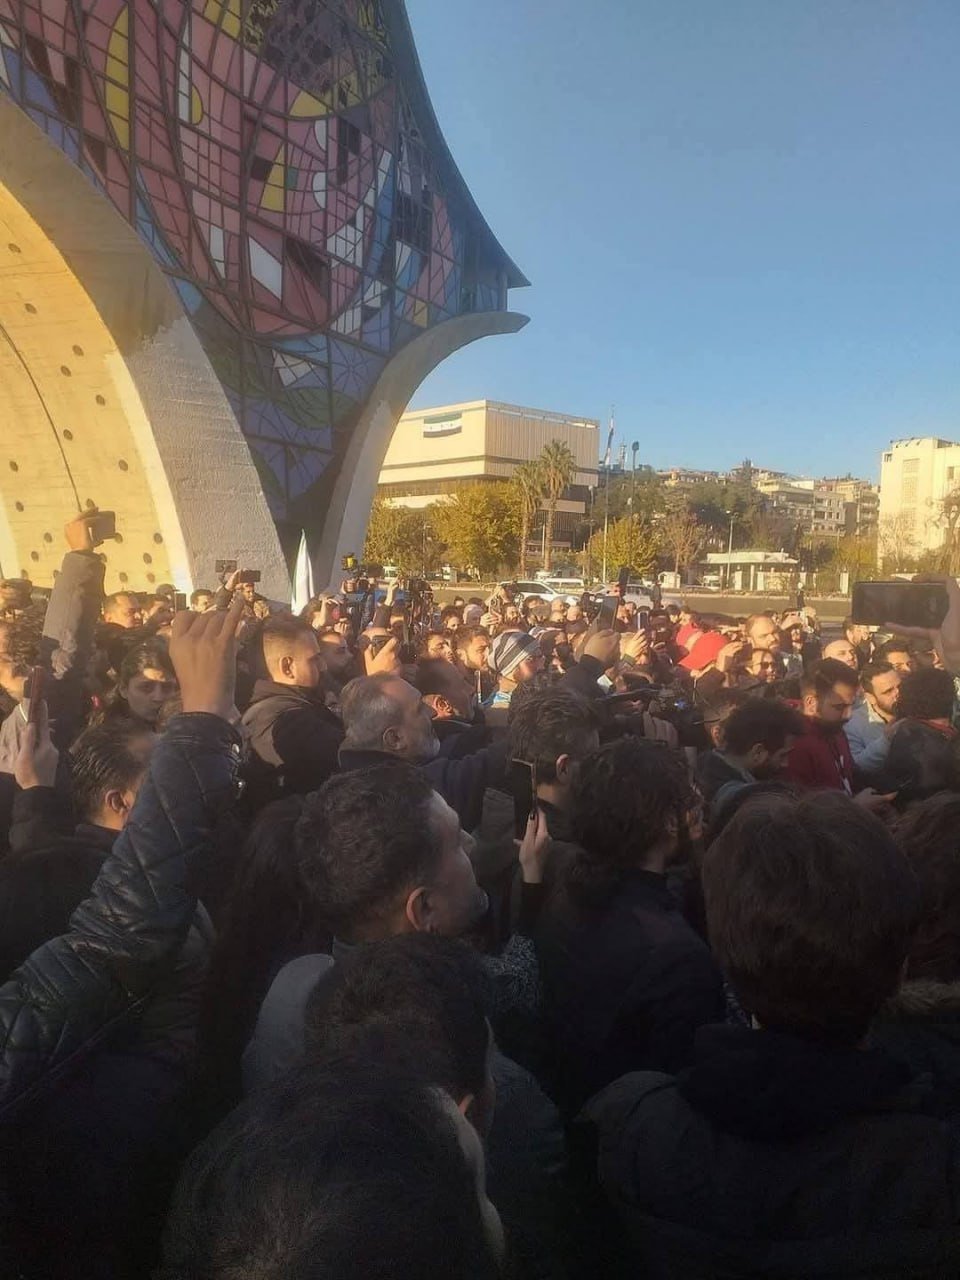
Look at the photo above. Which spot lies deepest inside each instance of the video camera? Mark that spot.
(673, 705)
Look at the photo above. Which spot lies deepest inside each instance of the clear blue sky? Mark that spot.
(741, 218)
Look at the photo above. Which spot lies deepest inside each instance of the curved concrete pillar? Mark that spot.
(108, 395)
(352, 497)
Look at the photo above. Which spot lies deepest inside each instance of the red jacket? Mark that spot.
(821, 759)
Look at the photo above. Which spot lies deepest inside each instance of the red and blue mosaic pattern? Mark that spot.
(267, 153)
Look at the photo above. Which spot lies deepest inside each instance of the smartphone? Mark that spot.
(904, 604)
(102, 526)
(249, 575)
(523, 784)
(607, 617)
(179, 601)
(643, 619)
(377, 643)
(34, 692)
(225, 566)
(623, 577)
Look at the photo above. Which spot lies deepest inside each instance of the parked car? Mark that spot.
(541, 590)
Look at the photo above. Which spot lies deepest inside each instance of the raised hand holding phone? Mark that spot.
(535, 848)
(37, 758)
(203, 649)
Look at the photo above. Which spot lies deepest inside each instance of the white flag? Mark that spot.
(302, 577)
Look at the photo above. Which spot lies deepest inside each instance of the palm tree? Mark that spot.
(528, 482)
(558, 467)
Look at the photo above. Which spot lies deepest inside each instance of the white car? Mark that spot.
(542, 590)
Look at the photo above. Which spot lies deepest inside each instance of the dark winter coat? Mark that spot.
(626, 984)
(462, 780)
(775, 1158)
(79, 1107)
(294, 737)
(920, 1026)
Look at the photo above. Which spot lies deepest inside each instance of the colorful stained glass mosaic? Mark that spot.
(281, 160)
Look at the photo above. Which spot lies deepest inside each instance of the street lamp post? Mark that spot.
(726, 577)
(606, 516)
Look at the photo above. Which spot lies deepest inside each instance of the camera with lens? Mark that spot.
(672, 705)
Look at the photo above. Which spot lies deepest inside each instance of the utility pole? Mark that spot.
(633, 497)
(726, 578)
(606, 489)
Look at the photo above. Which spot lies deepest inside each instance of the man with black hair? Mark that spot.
(380, 853)
(898, 651)
(449, 696)
(356, 1168)
(294, 737)
(858, 635)
(57, 848)
(202, 600)
(552, 730)
(821, 758)
(626, 980)
(870, 725)
(758, 738)
(429, 993)
(792, 1147)
(451, 618)
(339, 664)
(471, 644)
(717, 708)
(922, 757)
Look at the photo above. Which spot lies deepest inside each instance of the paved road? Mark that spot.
(831, 610)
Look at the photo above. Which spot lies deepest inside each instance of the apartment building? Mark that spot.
(915, 476)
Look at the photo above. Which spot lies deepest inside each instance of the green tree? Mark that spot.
(402, 536)
(681, 536)
(714, 501)
(647, 492)
(858, 556)
(558, 467)
(480, 525)
(631, 542)
(527, 483)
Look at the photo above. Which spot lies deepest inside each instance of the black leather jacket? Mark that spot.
(78, 989)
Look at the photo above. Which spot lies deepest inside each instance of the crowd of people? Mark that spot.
(501, 938)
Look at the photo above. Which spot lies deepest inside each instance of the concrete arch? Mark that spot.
(107, 393)
(353, 494)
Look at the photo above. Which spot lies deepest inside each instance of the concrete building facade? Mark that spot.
(915, 476)
(435, 451)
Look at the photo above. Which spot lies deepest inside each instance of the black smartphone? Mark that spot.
(523, 784)
(225, 566)
(377, 643)
(102, 526)
(900, 604)
(623, 577)
(607, 617)
(249, 575)
(179, 601)
(643, 619)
